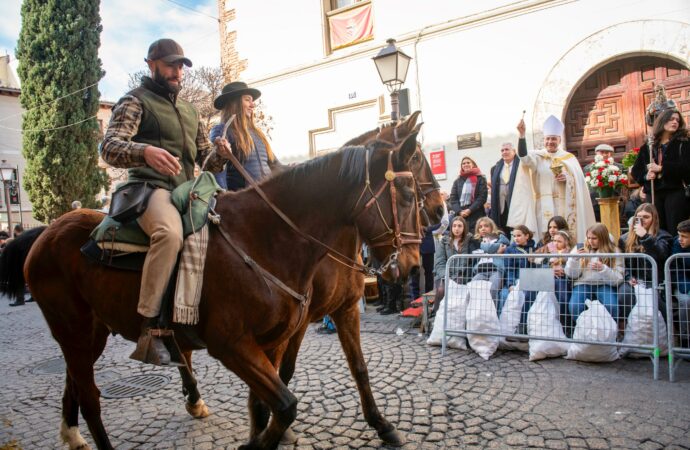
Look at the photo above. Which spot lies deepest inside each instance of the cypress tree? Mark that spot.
(58, 55)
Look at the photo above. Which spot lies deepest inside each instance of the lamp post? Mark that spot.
(6, 174)
(392, 65)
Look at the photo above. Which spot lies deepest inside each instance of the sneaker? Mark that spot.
(325, 330)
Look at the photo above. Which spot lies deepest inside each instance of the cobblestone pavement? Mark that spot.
(457, 401)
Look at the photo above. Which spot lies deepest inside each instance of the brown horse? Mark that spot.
(243, 318)
(338, 290)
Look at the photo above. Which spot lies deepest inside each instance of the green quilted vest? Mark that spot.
(167, 123)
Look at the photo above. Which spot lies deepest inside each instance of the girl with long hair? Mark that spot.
(522, 244)
(595, 278)
(469, 193)
(247, 142)
(645, 237)
(458, 241)
(555, 224)
(663, 165)
(492, 241)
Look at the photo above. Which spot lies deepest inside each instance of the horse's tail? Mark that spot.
(12, 263)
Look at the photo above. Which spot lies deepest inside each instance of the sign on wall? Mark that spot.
(437, 160)
(470, 140)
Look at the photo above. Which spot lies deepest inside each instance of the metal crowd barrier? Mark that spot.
(633, 307)
(677, 286)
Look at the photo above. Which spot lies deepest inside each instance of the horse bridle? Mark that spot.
(392, 236)
(422, 192)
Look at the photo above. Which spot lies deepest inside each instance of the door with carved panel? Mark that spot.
(609, 106)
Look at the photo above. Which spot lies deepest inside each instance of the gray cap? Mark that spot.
(167, 50)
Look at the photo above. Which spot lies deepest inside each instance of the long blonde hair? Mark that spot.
(632, 244)
(605, 245)
(240, 129)
(494, 228)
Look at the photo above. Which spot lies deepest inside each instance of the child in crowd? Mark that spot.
(522, 244)
(680, 277)
(557, 223)
(491, 241)
(647, 238)
(595, 278)
(561, 243)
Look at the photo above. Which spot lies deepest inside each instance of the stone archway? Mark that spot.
(661, 38)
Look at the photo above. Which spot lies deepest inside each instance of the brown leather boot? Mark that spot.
(150, 346)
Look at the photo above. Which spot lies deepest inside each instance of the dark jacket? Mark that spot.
(495, 172)
(680, 268)
(461, 270)
(513, 265)
(675, 166)
(477, 206)
(170, 123)
(428, 246)
(658, 247)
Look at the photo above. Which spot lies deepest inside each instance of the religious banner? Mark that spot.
(437, 160)
(351, 26)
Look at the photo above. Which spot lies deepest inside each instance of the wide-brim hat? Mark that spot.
(233, 90)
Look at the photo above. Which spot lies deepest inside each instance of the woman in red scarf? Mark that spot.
(469, 193)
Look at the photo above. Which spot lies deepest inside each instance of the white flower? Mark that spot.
(598, 158)
(588, 179)
(613, 178)
(600, 164)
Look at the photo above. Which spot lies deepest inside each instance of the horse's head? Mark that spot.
(387, 209)
(432, 206)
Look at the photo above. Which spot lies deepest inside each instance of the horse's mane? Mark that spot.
(351, 162)
(362, 138)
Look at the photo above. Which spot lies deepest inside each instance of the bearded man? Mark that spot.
(158, 138)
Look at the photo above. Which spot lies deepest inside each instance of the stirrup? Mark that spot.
(158, 347)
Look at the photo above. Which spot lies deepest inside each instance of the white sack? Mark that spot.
(640, 327)
(457, 308)
(510, 319)
(482, 316)
(542, 320)
(594, 324)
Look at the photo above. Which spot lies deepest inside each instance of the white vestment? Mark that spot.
(537, 196)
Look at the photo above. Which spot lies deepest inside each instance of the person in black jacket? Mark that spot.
(663, 165)
(645, 237)
(469, 193)
(502, 183)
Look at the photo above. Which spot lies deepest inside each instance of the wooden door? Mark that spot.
(609, 106)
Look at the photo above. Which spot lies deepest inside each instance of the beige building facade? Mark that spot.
(476, 67)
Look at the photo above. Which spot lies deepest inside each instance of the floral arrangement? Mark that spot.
(630, 158)
(605, 176)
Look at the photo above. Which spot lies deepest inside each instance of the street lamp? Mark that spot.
(392, 65)
(6, 175)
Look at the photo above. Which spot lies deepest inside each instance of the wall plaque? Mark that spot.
(470, 140)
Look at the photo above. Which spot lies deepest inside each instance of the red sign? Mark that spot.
(437, 159)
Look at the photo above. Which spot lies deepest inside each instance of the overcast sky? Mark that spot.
(128, 29)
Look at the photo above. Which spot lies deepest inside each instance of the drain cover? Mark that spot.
(134, 386)
(52, 366)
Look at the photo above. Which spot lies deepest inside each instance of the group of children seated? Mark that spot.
(610, 280)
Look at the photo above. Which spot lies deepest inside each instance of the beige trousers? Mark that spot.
(162, 223)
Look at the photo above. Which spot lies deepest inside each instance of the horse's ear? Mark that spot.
(418, 128)
(409, 123)
(408, 148)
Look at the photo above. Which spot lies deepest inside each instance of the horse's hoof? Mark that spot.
(72, 437)
(199, 410)
(289, 437)
(393, 438)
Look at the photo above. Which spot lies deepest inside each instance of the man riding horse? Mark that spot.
(158, 137)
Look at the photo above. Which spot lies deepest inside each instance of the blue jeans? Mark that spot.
(605, 294)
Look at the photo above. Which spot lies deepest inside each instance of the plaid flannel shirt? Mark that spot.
(119, 150)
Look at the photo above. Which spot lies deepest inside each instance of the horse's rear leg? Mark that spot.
(195, 405)
(81, 388)
(347, 323)
(251, 364)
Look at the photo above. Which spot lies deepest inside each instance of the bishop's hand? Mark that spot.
(521, 128)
